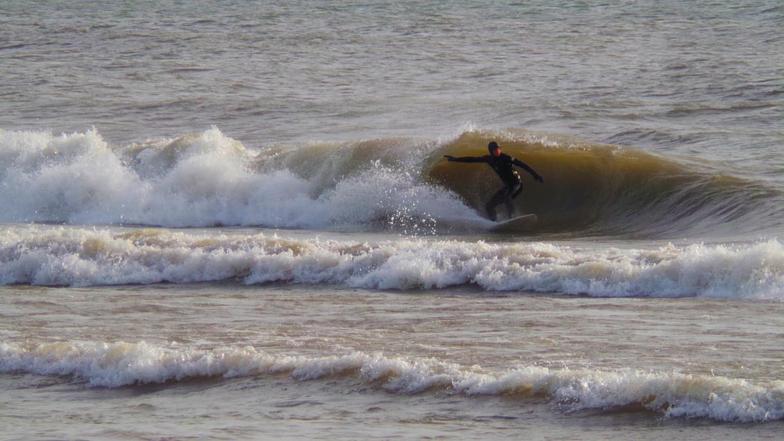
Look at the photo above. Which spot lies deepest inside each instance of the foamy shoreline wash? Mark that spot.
(671, 394)
(76, 256)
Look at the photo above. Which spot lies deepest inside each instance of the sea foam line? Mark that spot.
(118, 364)
(79, 257)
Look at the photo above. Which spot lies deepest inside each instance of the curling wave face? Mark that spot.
(208, 179)
(116, 364)
(43, 255)
(608, 190)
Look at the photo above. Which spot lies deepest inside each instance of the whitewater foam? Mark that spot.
(78, 257)
(120, 364)
(207, 179)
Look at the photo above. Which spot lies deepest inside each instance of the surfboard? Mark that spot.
(517, 224)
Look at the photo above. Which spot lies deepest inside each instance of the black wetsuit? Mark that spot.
(503, 167)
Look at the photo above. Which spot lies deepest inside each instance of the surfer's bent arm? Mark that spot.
(466, 158)
(528, 168)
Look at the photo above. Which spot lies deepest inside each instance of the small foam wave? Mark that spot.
(120, 364)
(77, 256)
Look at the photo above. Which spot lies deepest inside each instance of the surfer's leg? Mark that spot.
(490, 208)
(497, 198)
(509, 207)
(512, 193)
(518, 188)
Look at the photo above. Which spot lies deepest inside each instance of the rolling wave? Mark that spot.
(117, 364)
(79, 256)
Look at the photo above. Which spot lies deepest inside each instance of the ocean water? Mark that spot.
(234, 221)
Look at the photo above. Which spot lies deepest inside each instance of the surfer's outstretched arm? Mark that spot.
(466, 158)
(528, 168)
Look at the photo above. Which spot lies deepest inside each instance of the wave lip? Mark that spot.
(119, 364)
(79, 257)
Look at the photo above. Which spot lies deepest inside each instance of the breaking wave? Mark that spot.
(209, 179)
(205, 180)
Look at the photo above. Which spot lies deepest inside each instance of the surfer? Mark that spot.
(502, 164)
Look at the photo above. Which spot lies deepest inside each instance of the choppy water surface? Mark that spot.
(669, 76)
(234, 220)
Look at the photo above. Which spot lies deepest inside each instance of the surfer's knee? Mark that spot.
(516, 190)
